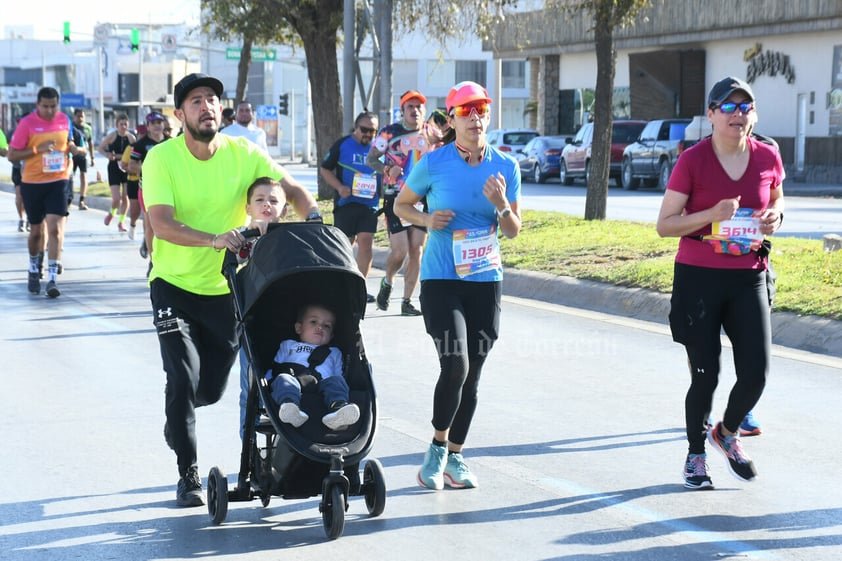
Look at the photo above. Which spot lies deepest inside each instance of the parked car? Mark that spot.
(539, 159)
(576, 156)
(510, 140)
(652, 156)
(698, 129)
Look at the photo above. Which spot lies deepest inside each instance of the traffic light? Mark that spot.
(283, 104)
(66, 32)
(135, 40)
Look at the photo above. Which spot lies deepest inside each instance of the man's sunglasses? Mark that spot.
(367, 130)
(465, 110)
(729, 107)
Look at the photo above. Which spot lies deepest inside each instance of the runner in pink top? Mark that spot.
(42, 142)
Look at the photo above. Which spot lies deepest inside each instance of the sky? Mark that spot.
(84, 15)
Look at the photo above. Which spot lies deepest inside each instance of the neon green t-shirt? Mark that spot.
(4, 144)
(206, 195)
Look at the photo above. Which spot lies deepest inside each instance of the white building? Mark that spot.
(168, 52)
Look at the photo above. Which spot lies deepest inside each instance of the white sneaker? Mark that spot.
(343, 417)
(290, 413)
(131, 231)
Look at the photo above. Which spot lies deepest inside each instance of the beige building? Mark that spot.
(790, 51)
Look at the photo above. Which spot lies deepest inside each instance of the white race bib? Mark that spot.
(365, 186)
(53, 162)
(744, 225)
(476, 250)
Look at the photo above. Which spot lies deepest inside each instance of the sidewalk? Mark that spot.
(813, 334)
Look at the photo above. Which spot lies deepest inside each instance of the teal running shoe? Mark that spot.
(431, 474)
(457, 473)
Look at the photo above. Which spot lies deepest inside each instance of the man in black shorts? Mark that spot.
(357, 188)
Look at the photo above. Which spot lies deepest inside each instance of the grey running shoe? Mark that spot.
(20, 226)
(383, 295)
(189, 491)
(34, 283)
(52, 290)
(407, 309)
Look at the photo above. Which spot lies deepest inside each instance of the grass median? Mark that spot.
(632, 254)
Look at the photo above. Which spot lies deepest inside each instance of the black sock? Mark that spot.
(439, 442)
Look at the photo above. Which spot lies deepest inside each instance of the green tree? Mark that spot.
(607, 15)
(253, 22)
(314, 24)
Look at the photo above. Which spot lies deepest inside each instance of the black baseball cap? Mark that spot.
(725, 87)
(193, 81)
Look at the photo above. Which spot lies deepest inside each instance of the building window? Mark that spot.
(514, 73)
(474, 70)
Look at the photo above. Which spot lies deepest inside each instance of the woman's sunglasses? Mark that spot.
(729, 107)
(465, 110)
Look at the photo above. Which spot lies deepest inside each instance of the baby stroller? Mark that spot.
(294, 264)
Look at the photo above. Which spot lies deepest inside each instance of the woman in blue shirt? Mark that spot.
(473, 193)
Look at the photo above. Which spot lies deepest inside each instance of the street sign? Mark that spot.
(169, 42)
(257, 55)
(267, 112)
(72, 100)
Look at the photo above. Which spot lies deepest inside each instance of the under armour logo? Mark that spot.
(164, 312)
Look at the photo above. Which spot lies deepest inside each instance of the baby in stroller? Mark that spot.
(309, 364)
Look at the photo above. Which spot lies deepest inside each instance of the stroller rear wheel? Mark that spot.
(333, 511)
(374, 487)
(217, 495)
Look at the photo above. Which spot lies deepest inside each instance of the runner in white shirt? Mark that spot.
(245, 127)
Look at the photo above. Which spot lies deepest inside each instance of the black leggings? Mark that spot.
(199, 338)
(704, 301)
(463, 319)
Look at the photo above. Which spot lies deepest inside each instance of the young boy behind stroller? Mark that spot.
(322, 368)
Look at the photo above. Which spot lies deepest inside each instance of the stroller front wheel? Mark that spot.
(374, 487)
(333, 511)
(217, 495)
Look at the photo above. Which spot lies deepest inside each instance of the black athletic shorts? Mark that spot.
(80, 163)
(393, 221)
(132, 187)
(41, 199)
(354, 218)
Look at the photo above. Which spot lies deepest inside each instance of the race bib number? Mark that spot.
(737, 236)
(744, 225)
(53, 162)
(419, 206)
(365, 186)
(476, 250)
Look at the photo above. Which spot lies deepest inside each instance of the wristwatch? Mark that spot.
(314, 216)
(505, 212)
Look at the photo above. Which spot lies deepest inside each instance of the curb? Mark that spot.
(808, 333)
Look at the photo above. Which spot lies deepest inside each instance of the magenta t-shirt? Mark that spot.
(699, 175)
